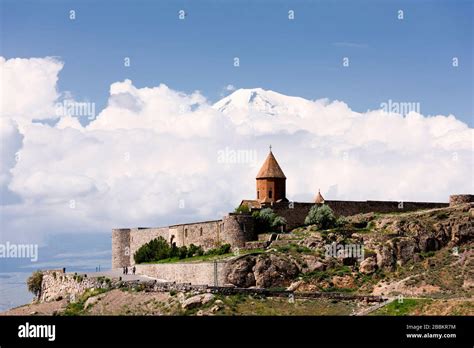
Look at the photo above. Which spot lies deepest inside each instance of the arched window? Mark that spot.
(258, 194)
(186, 233)
(200, 231)
(270, 194)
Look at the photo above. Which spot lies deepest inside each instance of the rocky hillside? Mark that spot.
(421, 261)
(418, 252)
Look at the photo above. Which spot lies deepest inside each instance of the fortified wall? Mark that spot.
(295, 212)
(233, 229)
(237, 229)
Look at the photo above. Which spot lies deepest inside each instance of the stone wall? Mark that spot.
(233, 229)
(202, 273)
(57, 284)
(460, 199)
(347, 208)
(236, 229)
(207, 234)
(295, 213)
(140, 236)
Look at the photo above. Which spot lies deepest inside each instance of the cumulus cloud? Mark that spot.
(28, 88)
(151, 156)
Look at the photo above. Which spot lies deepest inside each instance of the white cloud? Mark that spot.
(152, 148)
(28, 88)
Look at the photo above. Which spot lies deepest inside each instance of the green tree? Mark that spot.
(34, 283)
(278, 221)
(154, 250)
(321, 216)
(267, 220)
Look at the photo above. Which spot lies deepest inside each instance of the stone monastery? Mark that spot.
(237, 229)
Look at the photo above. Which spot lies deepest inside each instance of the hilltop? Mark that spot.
(422, 260)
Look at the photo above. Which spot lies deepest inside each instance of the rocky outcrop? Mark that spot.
(406, 236)
(263, 271)
(57, 285)
(274, 271)
(240, 272)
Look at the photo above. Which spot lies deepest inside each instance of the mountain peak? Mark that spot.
(255, 99)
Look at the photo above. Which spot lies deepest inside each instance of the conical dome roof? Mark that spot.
(270, 168)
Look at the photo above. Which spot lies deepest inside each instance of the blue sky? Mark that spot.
(408, 60)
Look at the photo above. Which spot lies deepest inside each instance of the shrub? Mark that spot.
(200, 251)
(267, 220)
(341, 221)
(243, 209)
(34, 283)
(279, 221)
(154, 250)
(183, 252)
(321, 216)
(223, 249)
(192, 250)
(174, 251)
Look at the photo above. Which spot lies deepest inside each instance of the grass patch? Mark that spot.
(205, 258)
(407, 307)
(328, 274)
(294, 248)
(277, 306)
(77, 308)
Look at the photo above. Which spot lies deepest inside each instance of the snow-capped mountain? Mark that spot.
(259, 111)
(258, 100)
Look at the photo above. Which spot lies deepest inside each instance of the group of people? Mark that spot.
(125, 270)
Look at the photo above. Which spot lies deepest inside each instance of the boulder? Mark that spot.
(405, 249)
(91, 301)
(240, 272)
(386, 256)
(197, 301)
(274, 271)
(312, 264)
(294, 286)
(346, 282)
(215, 309)
(368, 266)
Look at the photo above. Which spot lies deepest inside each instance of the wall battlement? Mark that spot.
(237, 229)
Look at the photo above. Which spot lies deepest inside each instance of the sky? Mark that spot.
(407, 60)
(179, 135)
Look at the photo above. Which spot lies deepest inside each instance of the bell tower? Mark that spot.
(271, 182)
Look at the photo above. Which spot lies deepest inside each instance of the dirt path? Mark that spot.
(45, 308)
